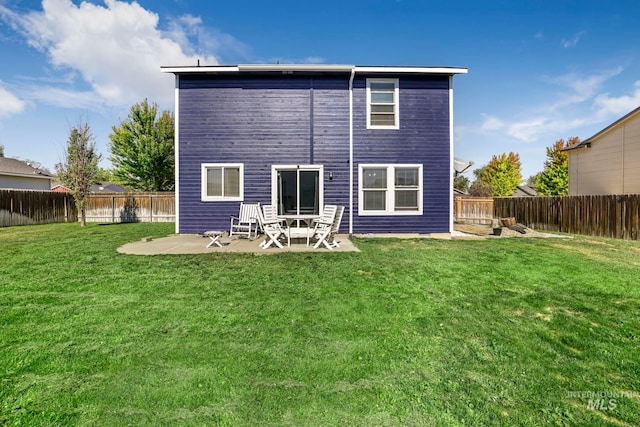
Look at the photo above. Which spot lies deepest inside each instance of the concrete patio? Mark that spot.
(197, 244)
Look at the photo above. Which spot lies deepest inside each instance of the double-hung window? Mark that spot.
(382, 104)
(390, 189)
(222, 182)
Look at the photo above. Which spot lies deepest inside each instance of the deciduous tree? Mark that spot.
(461, 183)
(503, 174)
(142, 151)
(554, 178)
(79, 167)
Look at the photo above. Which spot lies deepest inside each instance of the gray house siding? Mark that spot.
(295, 119)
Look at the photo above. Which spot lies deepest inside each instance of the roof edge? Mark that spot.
(323, 68)
(587, 142)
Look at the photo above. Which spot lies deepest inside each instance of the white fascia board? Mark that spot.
(296, 67)
(24, 175)
(415, 70)
(203, 69)
(313, 68)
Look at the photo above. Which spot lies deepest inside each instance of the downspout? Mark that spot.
(353, 73)
(177, 153)
(450, 154)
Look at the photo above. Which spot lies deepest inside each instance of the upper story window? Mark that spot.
(382, 104)
(222, 182)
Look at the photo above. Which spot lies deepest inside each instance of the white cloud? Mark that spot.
(608, 105)
(117, 49)
(10, 104)
(527, 130)
(566, 109)
(572, 42)
(491, 123)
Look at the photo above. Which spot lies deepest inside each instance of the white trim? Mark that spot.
(451, 174)
(203, 182)
(274, 180)
(353, 74)
(20, 175)
(176, 152)
(416, 70)
(340, 68)
(396, 103)
(390, 203)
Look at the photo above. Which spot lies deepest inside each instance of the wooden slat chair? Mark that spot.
(271, 227)
(322, 224)
(246, 222)
(325, 232)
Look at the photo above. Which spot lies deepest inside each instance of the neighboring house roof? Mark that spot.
(524, 191)
(107, 187)
(457, 192)
(587, 142)
(311, 68)
(15, 167)
(101, 187)
(59, 188)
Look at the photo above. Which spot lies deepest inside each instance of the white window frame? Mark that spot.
(396, 104)
(314, 168)
(390, 190)
(203, 177)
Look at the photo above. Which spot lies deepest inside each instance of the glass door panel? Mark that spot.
(298, 191)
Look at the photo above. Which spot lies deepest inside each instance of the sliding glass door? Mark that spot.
(297, 189)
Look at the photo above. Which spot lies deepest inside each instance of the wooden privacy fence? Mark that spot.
(603, 215)
(473, 210)
(131, 207)
(28, 207)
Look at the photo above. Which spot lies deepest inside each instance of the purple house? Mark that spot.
(377, 140)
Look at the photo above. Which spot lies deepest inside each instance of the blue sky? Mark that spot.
(538, 70)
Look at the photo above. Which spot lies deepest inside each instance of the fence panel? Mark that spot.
(473, 210)
(615, 216)
(29, 207)
(131, 207)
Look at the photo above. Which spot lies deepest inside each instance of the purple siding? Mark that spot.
(423, 138)
(261, 120)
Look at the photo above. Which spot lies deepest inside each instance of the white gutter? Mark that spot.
(353, 73)
(311, 68)
(176, 153)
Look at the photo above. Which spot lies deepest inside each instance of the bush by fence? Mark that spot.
(27, 207)
(131, 207)
(602, 215)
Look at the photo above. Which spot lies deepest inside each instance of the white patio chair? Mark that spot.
(323, 223)
(325, 233)
(246, 222)
(271, 227)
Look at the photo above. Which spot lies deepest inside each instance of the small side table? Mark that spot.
(214, 235)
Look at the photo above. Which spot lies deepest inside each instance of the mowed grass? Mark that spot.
(405, 333)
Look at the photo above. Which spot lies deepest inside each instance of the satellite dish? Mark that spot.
(460, 165)
(35, 165)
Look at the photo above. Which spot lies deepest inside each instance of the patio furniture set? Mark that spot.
(279, 229)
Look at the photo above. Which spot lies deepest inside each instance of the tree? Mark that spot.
(554, 178)
(503, 174)
(80, 166)
(1, 150)
(104, 175)
(142, 151)
(461, 183)
(480, 189)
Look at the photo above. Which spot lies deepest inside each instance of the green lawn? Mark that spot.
(405, 333)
